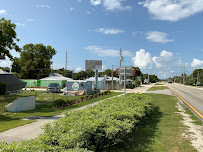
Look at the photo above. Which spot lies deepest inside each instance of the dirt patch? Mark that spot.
(194, 133)
(165, 91)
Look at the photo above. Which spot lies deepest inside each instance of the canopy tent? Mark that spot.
(12, 82)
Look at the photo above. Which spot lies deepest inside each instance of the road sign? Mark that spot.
(93, 64)
(129, 71)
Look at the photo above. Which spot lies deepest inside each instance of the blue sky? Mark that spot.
(158, 36)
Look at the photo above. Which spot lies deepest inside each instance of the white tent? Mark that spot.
(56, 76)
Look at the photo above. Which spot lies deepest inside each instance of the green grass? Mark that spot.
(44, 108)
(154, 88)
(159, 84)
(192, 116)
(161, 131)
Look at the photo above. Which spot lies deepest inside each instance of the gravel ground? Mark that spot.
(194, 133)
(165, 91)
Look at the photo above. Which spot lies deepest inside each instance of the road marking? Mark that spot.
(199, 114)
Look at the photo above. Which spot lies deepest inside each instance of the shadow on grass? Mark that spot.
(141, 136)
(5, 118)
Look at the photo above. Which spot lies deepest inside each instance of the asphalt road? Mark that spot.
(192, 95)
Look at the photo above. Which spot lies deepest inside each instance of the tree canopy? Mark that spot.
(34, 61)
(7, 38)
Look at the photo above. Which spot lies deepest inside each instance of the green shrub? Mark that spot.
(86, 97)
(59, 103)
(67, 102)
(105, 92)
(82, 98)
(93, 128)
(95, 96)
(2, 88)
(90, 96)
(100, 126)
(36, 146)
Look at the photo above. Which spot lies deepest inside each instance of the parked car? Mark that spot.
(53, 87)
(169, 81)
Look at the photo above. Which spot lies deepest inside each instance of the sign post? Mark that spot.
(124, 81)
(125, 71)
(94, 65)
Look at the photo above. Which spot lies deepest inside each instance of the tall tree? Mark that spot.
(89, 73)
(7, 38)
(137, 71)
(35, 61)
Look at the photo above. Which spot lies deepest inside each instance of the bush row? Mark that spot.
(89, 97)
(93, 128)
(36, 146)
(63, 103)
(100, 126)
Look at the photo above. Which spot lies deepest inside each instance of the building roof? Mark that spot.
(110, 79)
(56, 76)
(93, 79)
(76, 80)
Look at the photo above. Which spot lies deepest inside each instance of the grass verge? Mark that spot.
(159, 132)
(159, 84)
(10, 120)
(192, 115)
(154, 88)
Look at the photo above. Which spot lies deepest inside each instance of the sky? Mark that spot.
(160, 37)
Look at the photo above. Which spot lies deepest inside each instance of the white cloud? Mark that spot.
(43, 6)
(163, 74)
(95, 2)
(197, 63)
(109, 31)
(30, 20)
(111, 5)
(87, 12)
(142, 59)
(78, 69)
(156, 36)
(2, 11)
(107, 52)
(172, 10)
(20, 24)
(165, 59)
(71, 9)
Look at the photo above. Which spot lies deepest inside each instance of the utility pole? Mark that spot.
(124, 81)
(184, 75)
(148, 78)
(176, 73)
(121, 56)
(112, 78)
(197, 78)
(66, 62)
(121, 59)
